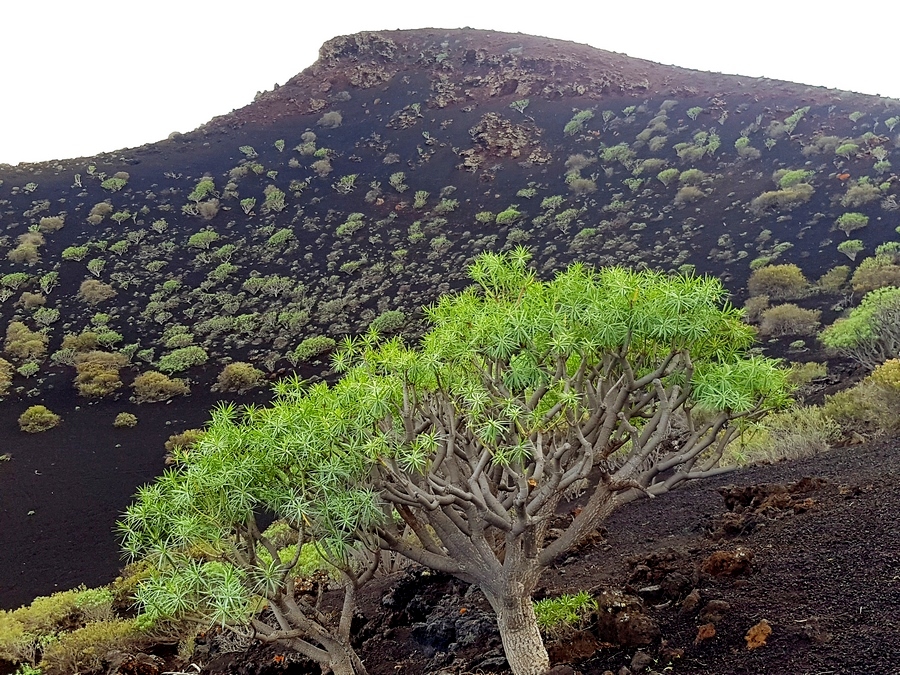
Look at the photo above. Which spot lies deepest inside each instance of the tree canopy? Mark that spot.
(456, 453)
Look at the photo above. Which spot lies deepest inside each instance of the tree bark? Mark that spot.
(519, 631)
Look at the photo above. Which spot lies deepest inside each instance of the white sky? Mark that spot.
(79, 77)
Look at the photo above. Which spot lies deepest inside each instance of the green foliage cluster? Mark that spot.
(239, 377)
(559, 616)
(871, 406)
(785, 199)
(153, 387)
(182, 359)
(789, 319)
(778, 281)
(801, 431)
(508, 216)
(24, 344)
(38, 418)
(125, 420)
(576, 124)
(848, 222)
(313, 346)
(871, 332)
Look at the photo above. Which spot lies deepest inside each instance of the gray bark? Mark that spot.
(519, 632)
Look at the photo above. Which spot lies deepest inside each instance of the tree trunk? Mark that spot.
(522, 640)
(342, 660)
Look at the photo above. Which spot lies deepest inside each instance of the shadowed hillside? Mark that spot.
(359, 191)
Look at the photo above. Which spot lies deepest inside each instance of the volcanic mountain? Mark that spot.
(359, 191)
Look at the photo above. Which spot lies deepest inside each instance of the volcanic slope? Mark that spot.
(357, 192)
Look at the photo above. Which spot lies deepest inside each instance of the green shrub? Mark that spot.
(871, 406)
(791, 434)
(313, 346)
(330, 120)
(804, 373)
(576, 124)
(6, 371)
(202, 239)
(834, 280)
(239, 377)
(85, 649)
(508, 216)
(754, 307)
(388, 322)
(152, 387)
(125, 420)
(787, 179)
(848, 222)
(851, 248)
(875, 272)
(783, 199)
(94, 291)
(185, 440)
(871, 333)
(666, 176)
(778, 281)
(98, 373)
(558, 617)
(860, 195)
(688, 194)
(182, 359)
(691, 177)
(582, 186)
(789, 319)
(38, 418)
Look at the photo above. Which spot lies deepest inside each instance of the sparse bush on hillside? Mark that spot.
(666, 176)
(822, 145)
(84, 649)
(98, 373)
(582, 186)
(38, 418)
(125, 420)
(783, 199)
(800, 432)
(871, 332)
(848, 222)
(388, 322)
(851, 248)
(871, 406)
(99, 212)
(51, 223)
(878, 271)
(185, 440)
(778, 281)
(239, 377)
(578, 162)
(182, 359)
(330, 120)
(152, 387)
(754, 308)
(24, 344)
(313, 346)
(859, 195)
(576, 124)
(6, 374)
(688, 194)
(789, 319)
(834, 280)
(94, 291)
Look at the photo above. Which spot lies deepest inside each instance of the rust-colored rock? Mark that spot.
(705, 632)
(728, 563)
(758, 634)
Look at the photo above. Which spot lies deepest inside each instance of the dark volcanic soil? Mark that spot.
(825, 576)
